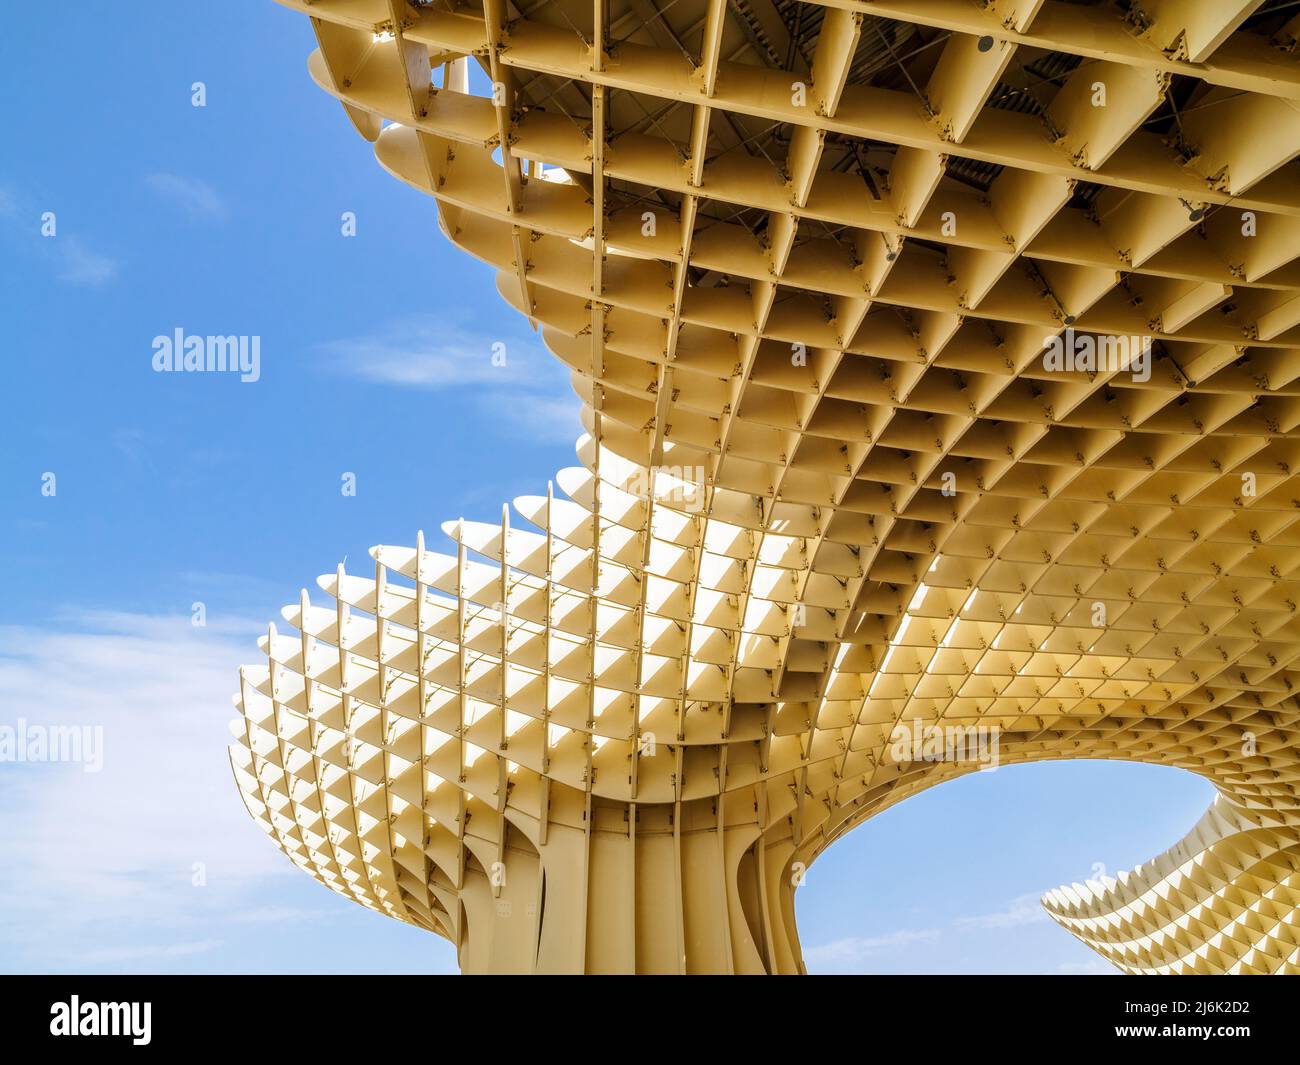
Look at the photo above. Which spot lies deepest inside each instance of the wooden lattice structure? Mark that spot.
(804, 261)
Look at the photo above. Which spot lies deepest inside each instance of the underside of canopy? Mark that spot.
(809, 264)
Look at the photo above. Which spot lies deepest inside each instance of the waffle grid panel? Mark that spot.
(803, 261)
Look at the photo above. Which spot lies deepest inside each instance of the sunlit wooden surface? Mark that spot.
(803, 261)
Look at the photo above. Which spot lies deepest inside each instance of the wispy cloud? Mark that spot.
(854, 951)
(511, 380)
(68, 255)
(1022, 910)
(79, 265)
(544, 418)
(107, 861)
(432, 353)
(192, 195)
(859, 948)
(277, 915)
(115, 955)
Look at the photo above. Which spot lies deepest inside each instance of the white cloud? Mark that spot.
(550, 419)
(78, 265)
(426, 352)
(103, 862)
(276, 915)
(855, 950)
(171, 950)
(511, 380)
(72, 260)
(1022, 910)
(192, 195)
(859, 948)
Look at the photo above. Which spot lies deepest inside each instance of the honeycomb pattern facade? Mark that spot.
(804, 261)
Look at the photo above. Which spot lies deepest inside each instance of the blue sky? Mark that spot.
(181, 488)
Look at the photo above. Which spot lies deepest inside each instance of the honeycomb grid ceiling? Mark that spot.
(803, 261)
